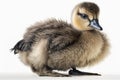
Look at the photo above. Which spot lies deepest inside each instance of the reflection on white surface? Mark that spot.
(35, 77)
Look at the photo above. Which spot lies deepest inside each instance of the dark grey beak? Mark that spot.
(95, 24)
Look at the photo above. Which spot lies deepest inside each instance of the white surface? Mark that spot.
(34, 77)
(17, 15)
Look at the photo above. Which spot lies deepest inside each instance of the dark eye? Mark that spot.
(84, 16)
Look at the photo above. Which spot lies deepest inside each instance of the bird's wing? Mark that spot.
(62, 41)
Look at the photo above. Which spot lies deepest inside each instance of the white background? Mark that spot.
(17, 15)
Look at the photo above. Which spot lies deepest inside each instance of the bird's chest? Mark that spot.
(91, 46)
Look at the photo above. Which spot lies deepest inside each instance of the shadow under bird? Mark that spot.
(58, 45)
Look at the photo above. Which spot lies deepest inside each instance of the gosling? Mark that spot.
(57, 45)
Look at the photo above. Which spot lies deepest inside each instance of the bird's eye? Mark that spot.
(84, 16)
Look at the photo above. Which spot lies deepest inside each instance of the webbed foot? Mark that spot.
(77, 72)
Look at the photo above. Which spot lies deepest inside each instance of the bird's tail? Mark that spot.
(21, 46)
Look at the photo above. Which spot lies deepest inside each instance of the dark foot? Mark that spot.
(76, 72)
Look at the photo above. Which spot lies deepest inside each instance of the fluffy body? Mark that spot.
(57, 45)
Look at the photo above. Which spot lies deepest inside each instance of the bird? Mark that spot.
(55, 44)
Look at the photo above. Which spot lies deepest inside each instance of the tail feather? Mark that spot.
(22, 46)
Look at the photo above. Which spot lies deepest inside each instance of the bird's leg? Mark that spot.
(46, 71)
(74, 71)
(40, 58)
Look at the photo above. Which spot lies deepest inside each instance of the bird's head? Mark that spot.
(85, 16)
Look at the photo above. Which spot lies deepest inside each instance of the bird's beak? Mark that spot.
(95, 24)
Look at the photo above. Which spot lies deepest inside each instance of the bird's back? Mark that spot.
(59, 34)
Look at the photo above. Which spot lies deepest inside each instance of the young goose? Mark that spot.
(57, 45)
